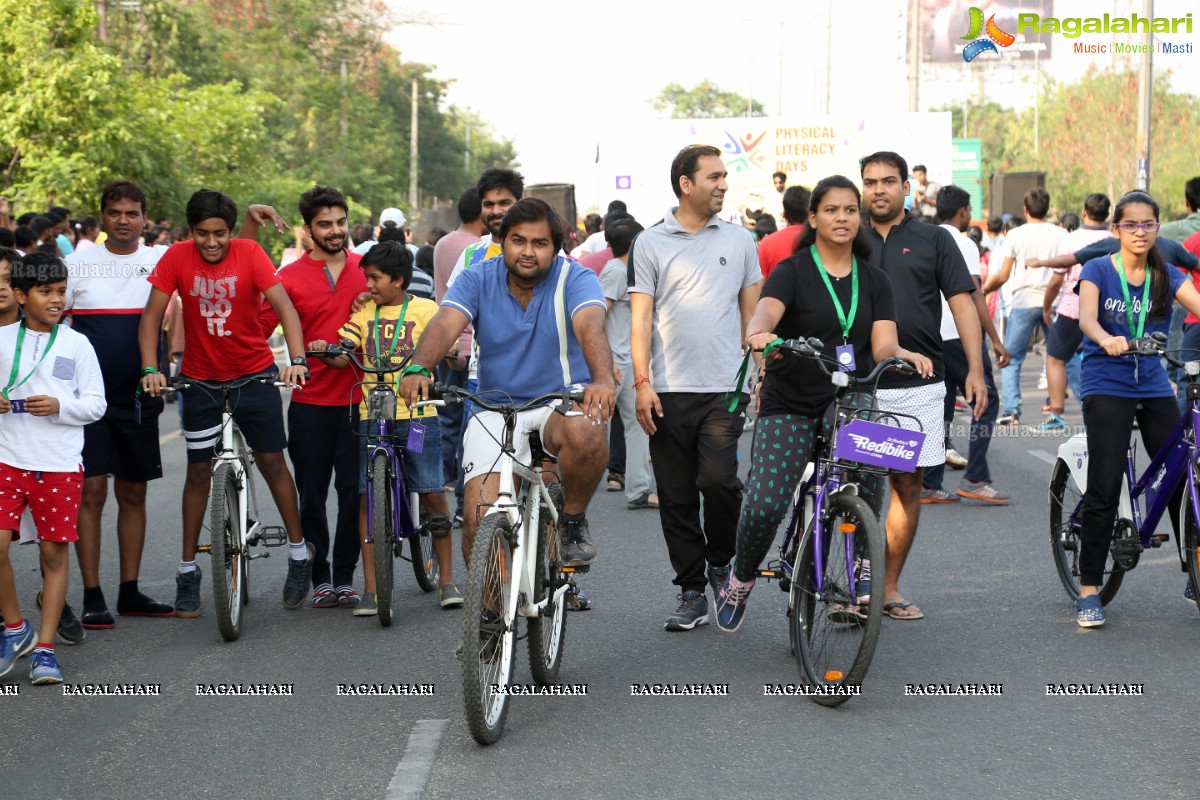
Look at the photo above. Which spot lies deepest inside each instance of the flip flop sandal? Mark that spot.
(888, 607)
(616, 483)
(847, 615)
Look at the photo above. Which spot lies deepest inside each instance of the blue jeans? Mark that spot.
(1021, 324)
(1191, 345)
(980, 432)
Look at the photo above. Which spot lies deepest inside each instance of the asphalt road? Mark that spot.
(995, 614)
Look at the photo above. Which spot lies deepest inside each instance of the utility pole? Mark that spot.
(1145, 100)
(412, 153)
(914, 56)
(102, 25)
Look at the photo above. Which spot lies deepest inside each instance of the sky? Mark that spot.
(588, 70)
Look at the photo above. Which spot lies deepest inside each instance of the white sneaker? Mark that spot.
(955, 460)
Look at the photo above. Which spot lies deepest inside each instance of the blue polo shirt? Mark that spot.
(1125, 375)
(526, 352)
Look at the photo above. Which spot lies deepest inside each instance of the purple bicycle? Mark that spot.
(393, 512)
(832, 540)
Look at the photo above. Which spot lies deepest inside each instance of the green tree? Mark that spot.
(705, 100)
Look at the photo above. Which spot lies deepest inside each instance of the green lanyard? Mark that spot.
(846, 324)
(13, 383)
(1134, 331)
(395, 333)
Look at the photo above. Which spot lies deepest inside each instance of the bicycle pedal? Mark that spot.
(769, 574)
(272, 536)
(204, 549)
(1159, 539)
(577, 570)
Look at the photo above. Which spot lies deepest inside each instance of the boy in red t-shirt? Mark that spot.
(221, 281)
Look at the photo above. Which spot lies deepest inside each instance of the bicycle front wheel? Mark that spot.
(548, 630)
(1066, 502)
(228, 557)
(487, 633)
(383, 533)
(835, 629)
(424, 557)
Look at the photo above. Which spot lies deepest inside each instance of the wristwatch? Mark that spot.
(300, 361)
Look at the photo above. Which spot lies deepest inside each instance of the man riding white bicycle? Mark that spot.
(539, 319)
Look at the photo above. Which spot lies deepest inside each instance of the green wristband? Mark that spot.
(149, 371)
(416, 369)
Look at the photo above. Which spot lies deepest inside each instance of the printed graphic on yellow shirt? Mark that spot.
(392, 341)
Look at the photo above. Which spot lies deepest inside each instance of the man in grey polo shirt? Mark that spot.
(694, 281)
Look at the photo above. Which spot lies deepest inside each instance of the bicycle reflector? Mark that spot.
(847, 527)
(833, 675)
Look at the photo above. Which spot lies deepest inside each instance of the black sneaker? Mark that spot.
(70, 631)
(140, 605)
(577, 549)
(692, 611)
(717, 577)
(101, 620)
(187, 594)
(295, 588)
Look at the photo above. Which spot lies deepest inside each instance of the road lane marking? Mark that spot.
(1042, 455)
(408, 782)
(166, 437)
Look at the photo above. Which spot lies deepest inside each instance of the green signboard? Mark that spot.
(968, 172)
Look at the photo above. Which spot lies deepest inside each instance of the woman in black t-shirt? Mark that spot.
(827, 290)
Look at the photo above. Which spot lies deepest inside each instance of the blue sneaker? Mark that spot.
(1053, 423)
(1089, 612)
(15, 645)
(43, 667)
(731, 603)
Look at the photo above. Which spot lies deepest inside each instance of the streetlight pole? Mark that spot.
(1145, 100)
(412, 150)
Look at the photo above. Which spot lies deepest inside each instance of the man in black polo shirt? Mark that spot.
(923, 264)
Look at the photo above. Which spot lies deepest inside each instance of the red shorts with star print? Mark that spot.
(52, 497)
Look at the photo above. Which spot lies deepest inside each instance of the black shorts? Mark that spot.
(1064, 338)
(257, 410)
(117, 445)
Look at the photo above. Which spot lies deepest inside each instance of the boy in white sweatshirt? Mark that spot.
(52, 389)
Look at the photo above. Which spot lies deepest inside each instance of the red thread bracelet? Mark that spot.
(642, 379)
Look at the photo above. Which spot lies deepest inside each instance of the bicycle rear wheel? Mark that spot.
(487, 634)
(424, 557)
(228, 558)
(1065, 502)
(1191, 538)
(548, 630)
(383, 533)
(835, 634)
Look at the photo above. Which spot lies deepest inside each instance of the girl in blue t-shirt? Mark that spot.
(1122, 296)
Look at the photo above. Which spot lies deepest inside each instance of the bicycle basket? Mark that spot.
(874, 438)
(381, 402)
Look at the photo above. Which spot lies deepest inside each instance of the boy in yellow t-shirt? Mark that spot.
(386, 330)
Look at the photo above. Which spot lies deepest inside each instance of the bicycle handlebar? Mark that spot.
(812, 347)
(335, 350)
(179, 383)
(450, 394)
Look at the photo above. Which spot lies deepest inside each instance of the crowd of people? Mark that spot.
(651, 321)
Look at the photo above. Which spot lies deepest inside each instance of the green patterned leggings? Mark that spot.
(783, 445)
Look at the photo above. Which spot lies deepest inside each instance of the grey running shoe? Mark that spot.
(692, 611)
(187, 594)
(717, 577)
(577, 549)
(295, 588)
(449, 596)
(368, 606)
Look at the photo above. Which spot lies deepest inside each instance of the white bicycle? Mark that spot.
(233, 509)
(515, 572)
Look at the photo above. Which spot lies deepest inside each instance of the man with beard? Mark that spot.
(323, 419)
(106, 293)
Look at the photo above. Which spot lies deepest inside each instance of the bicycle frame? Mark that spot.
(240, 459)
(1164, 470)
(380, 425)
(524, 526)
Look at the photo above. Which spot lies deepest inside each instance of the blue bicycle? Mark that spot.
(1134, 531)
(833, 540)
(393, 512)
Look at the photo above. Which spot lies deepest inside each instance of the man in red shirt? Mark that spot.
(220, 281)
(323, 419)
(782, 243)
